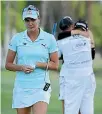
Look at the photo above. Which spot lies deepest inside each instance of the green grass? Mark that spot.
(7, 80)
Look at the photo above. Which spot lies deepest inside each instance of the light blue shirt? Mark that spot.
(28, 53)
(77, 58)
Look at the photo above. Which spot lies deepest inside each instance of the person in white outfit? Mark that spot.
(77, 72)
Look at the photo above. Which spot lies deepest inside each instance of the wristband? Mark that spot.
(21, 68)
(93, 53)
(34, 66)
(47, 66)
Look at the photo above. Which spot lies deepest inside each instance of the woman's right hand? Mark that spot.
(27, 69)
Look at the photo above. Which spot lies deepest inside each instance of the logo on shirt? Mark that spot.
(43, 45)
(10, 44)
(24, 43)
(81, 44)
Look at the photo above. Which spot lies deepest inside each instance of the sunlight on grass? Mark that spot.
(7, 81)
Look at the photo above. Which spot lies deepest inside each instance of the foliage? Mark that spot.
(97, 23)
(96, 18)
(15, 10)
(15, 15)
(2, 20)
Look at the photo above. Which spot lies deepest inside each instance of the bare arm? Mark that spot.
(92, 39)
(83, 33)
(92, 45)
(9, 62)
(13, 67)
(53, 63)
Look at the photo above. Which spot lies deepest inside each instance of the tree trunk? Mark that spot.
(6, 34)
(13, 24)
(44, 6)
(88, 7)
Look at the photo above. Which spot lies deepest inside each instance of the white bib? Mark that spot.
(76, 52)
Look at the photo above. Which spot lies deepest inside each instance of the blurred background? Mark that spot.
(50, 12)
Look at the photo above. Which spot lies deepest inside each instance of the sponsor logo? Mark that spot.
(81, 44)
(24, 43)
(29, 12)
(43, 45)
(10, 44)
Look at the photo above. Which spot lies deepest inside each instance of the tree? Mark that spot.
(7, 33)
(10, 24)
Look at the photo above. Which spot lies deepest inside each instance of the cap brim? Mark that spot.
(30, 16)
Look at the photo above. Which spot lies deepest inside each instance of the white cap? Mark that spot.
(30, 12)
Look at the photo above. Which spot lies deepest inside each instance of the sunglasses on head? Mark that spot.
(30, 7)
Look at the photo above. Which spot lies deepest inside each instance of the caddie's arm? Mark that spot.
(83, 33)
(92, 44)
(92, 39)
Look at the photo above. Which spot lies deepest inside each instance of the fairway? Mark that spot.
(55, 105)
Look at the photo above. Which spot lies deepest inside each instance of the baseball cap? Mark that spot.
(82, 24)
(31, 12)
(65, 22)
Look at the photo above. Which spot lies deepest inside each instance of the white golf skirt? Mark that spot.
(78, 93)
(27, 97)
